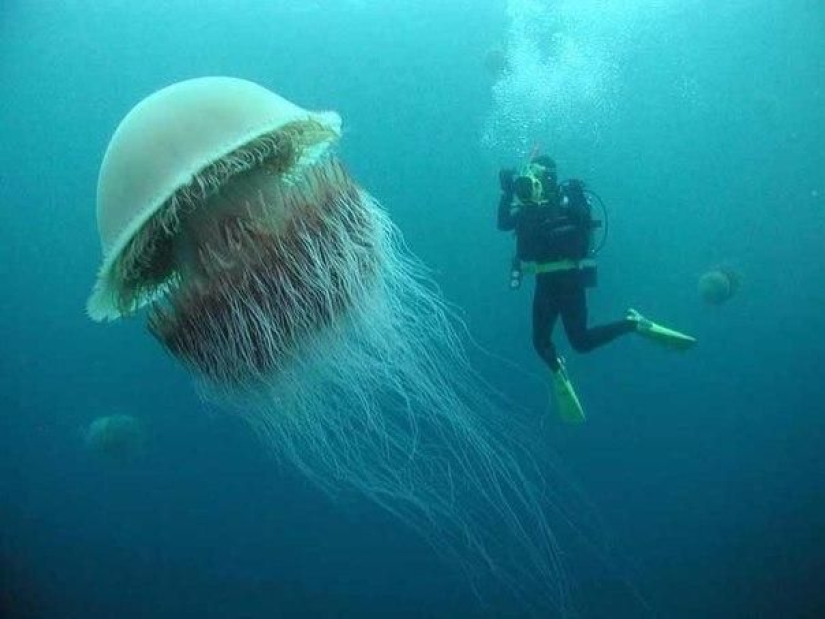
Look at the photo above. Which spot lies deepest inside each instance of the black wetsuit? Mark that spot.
(550, 232)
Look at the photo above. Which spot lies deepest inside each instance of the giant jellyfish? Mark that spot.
(226, 216)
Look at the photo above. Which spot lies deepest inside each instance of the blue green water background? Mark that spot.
(701, 125)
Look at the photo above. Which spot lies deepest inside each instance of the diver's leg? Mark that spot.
(545, 312)
(573, 305)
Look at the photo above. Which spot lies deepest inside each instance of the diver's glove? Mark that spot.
(506, 178)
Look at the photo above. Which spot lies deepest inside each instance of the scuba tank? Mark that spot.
(579, 201)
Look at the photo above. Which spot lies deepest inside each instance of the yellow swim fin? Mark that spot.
(565, 398)
(664, 336)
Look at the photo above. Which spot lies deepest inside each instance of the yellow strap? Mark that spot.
(559, 265)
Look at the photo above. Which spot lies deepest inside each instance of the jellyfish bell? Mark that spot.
(718, 285)
(496, 63)
(173, 151)
(214, 190)
(117, 436)
(284, 287)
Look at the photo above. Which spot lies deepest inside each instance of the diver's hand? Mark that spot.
(505, 179)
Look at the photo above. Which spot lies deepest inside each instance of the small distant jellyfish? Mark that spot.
(496, 63)
(284, 288)
(118, 436)
(718, 285)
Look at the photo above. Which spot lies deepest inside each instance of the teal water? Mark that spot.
(701, 127)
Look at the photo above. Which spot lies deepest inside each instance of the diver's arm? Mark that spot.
(506, 215)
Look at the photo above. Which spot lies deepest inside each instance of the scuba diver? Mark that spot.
(554, 230)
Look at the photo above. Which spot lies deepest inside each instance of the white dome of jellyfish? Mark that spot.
(287, 292)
